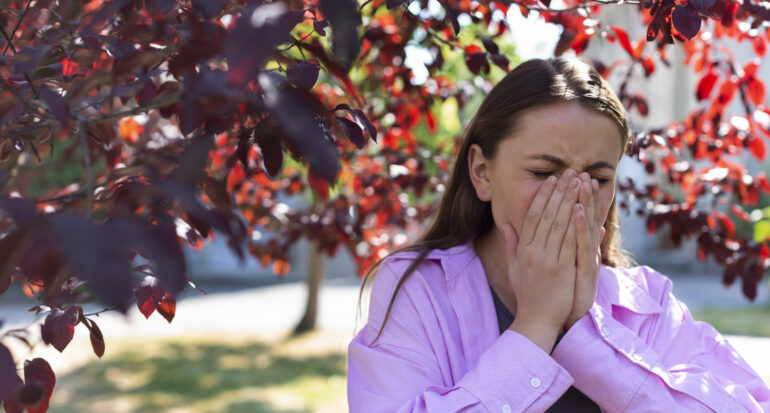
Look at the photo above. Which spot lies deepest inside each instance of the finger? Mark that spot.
(565, 184)
(511, 243)
(536, 208)
(585, 248)
(568, 253)
(562, 219)
(597, 204)
(591, 209)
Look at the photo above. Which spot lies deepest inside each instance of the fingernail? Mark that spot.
(551, 179)
(595, 184)
(587, 189)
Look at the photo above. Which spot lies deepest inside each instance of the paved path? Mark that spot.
(273, 310)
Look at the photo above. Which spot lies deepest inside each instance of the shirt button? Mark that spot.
(506, 408)
(535, 382)
(605, 331)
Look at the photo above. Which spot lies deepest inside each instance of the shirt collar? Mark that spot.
(616, 287)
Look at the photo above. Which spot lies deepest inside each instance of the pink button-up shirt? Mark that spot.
(638, 349)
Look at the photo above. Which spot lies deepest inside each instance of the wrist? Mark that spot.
(542, 335)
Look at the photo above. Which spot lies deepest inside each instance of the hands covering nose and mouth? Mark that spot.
(553, 264)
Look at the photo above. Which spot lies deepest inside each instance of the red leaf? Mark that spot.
(727, 223)
(148, 295)
(38, 370)
(97, 339)
(726, 92)
(623, 39)
(59, 327)
(429, 119)
(756, 90)
(649, 66)
(757, 147)
(167, 307)
(705, 85)
(319, 186)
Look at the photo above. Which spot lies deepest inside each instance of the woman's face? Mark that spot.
(550, 139)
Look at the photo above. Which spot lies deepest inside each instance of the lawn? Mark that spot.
(745, 321)
(209, 374)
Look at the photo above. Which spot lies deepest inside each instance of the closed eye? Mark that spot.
(543, 175)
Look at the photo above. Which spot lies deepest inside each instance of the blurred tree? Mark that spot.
(128, 127)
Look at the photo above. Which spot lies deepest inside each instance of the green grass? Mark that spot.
(207, 375)
(748, 321)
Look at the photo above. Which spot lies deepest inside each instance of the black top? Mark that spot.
(573, 400)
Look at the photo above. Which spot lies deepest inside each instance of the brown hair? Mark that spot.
(461, 215)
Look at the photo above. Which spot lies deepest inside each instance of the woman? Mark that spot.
(518, 298)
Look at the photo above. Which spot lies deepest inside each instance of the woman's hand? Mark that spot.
(541, 261)
(590, 233)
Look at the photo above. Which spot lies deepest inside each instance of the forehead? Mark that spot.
(571, 131)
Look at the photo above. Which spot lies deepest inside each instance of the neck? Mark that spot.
(491, 251)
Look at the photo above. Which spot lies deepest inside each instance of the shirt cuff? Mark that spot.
(599, 371)
(514, 374)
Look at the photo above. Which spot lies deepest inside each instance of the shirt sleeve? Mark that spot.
(676, 364)
(401, 372)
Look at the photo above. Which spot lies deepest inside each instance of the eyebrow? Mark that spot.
(558, 161)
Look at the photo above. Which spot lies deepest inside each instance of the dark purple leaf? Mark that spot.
(56, 103)
(208, 8)
(490, 45)
(13, 115)
(255, 36)
(354, 132)
(98, 257)
(477, 62)
(21, 211)
(28, 58)
(299, 114)
(269, 139)
(320, 27)
(452, 15)
(303, 74)
(360, 118)
(59, 327)
(157, 243)
(9, 378)
(345, 20)
(499, 60)
(686, 21)
(702, 5)
(192, 161)
(39, 371)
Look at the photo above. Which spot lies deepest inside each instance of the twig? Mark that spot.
(13, 32)
(99, 312)
(161, 102)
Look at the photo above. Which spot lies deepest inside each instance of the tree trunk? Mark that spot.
(314, 277)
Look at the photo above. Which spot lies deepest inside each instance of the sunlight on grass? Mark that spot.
(747, 321)
(210, 374)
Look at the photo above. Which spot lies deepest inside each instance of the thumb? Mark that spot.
(511, 243)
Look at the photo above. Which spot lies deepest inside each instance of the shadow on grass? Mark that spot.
(200, 376)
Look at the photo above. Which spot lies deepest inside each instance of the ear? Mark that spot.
(478, 168)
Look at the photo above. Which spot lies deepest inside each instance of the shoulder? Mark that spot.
(639, 288)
